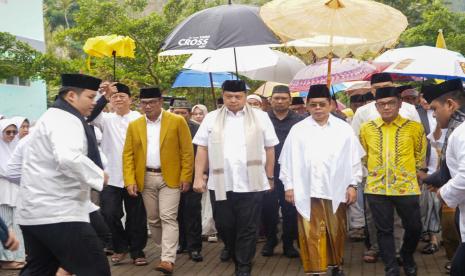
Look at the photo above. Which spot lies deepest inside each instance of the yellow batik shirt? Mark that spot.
(395, 152)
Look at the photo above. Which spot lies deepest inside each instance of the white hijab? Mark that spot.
(6, 149)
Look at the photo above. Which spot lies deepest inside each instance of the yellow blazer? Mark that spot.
(176, 151)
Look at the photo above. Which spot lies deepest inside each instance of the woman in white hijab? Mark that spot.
(9, 195)
(198, 112)
(22, 124)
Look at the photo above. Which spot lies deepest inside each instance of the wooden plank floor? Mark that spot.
(275, 266)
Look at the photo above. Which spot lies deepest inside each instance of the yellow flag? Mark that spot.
(440, 41)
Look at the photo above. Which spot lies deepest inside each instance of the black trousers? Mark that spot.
(71, 245)
(238, 218)
(101, 228)
(408, 208)
(458, 262)
(132, 237)
(272, 201)
(190, 221)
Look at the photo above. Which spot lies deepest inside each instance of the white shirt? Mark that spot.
(369, 112)
(235, 155)
(57, 175)
(320, 162)
(435, 149)
(453, 192)
(153, 142)
(114, 127)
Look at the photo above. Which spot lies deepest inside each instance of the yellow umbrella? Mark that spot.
(265, 89)
(335, 27)
(110, 46)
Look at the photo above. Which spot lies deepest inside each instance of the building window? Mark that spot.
(16, 80)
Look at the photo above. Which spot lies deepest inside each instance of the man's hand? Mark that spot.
(132, 190)
(351, 195)
(289, 196)
(12, 243)
(432, 189)
(421, 175)
(106, 177)
(200, 185)
(107, 89)
(271, 183)
(438, 194)
(184, 187)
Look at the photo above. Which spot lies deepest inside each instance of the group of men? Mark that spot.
(251, 162)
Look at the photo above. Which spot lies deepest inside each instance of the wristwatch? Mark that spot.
(271, 178)
(353, 186)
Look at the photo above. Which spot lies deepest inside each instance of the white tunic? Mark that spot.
(57, 175)
(235, 154)
(153, 142)
(8, 190)
(453, 192)
(114, 127)
(369, 112)
(320, 162)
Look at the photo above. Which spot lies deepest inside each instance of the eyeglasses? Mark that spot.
(320, 104)
(11, 132)
(149, 102)
(389, 104)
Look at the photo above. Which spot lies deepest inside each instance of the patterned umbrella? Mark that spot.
(343, 70)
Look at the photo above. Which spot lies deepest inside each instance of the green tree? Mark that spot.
(16, 57)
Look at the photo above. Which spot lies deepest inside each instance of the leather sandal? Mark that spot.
(140, 261)
(117, 258)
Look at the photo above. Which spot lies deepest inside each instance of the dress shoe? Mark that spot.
(165, 267)
(290, 251)
(225, 255)
(337, 272)
(268, 248)
(242, 273)
(195, 256)
(410, 270)
(180, 250)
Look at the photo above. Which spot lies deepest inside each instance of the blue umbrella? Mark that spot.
(191, 78)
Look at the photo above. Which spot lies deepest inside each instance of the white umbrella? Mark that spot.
(283, 71)
(225, 60)
(424, 61)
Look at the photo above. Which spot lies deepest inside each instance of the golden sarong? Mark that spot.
(322, 238)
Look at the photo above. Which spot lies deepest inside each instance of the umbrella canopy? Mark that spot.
(265, 89)
(224, 26)
(110, 45)
(191, 78)
(339, 27)
(424, 61)
(343, 70)
(335, 88)
(283, 71)
(224, 60)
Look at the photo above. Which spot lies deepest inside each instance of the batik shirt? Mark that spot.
(395, 152)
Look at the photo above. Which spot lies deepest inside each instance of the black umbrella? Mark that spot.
(225, 26)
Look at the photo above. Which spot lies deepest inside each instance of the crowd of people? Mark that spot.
(92, 174)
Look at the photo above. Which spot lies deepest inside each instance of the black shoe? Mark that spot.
(410, 270)
(430, 248)
(242, 273)
(180, 250)
(195, 256)
(400, 261)
(225, 256)
(268, 248)
(290, 251)
(337, 272)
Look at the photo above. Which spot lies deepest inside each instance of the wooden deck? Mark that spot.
(276, 265)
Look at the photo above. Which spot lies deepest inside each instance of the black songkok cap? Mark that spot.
(368, 97)
(380, 78)
(452, 85)
(219, 101)
(234, 86)
(357, 99)
(122, 88)
(281, 89)
(80, 81)
(319, 91)
(431, 92)
(150, 92)
(184, 104)
(402, 88)
(386, 92)
(297, 100)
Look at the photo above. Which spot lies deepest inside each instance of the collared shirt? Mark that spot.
(395, 152)
(57, 175)
(453, 192)
(369, 112)
(153, 142)
(235, 154)
(114, 127)
(320, 162)
(282, 128)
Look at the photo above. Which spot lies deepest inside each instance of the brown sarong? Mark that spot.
(322, 238)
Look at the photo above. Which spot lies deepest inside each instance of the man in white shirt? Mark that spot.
(61, 164)
(448, 104)
(133, 237)
(236, 143)
(321, 167)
